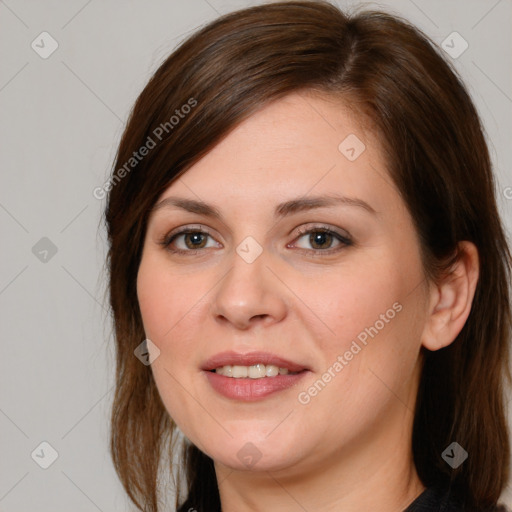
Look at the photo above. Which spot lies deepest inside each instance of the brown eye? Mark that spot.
(195, 240)
(187, 241)
(321, 239)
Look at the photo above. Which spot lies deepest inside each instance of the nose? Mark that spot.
(249, 294)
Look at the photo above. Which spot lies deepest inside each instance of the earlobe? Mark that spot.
(451, 299)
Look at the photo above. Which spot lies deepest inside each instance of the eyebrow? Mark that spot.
(281, 210)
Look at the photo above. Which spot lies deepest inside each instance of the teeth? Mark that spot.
(257, 371)
(239, 371)
(271, 370)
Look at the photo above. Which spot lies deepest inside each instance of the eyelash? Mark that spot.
(167, 240)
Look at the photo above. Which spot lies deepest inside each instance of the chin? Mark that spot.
(254, 463)
(243, 454)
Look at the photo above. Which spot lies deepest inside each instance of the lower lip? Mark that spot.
(247, 389)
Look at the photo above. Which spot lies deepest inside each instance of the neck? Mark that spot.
(376, 472)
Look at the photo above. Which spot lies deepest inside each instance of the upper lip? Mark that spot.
(250, 359)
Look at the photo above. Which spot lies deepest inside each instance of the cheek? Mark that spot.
(169, 303)
(166, 298)
(371, 314)
(377, 322)
(352, 301)
(154, 303)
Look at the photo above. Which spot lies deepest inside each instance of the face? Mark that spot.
(309, 264)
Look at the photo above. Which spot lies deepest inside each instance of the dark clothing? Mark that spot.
(441, 500)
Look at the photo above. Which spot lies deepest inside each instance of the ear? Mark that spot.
(451, 299)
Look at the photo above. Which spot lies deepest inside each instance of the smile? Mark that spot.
(256, 371)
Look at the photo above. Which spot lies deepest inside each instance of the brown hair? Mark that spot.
(438, 159)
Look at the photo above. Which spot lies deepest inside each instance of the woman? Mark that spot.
(306, 254)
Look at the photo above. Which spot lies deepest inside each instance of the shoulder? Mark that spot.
(438, 498)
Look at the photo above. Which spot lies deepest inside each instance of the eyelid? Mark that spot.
(344, 239)
(308, 228)
(167, 238)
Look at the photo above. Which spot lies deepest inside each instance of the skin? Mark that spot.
(349, 448)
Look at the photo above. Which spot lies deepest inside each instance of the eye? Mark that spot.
(321, 239)
(188, 240)
(192, 240)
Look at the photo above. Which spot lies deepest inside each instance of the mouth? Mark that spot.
(255, 371)
(255, 365)
(251, 376)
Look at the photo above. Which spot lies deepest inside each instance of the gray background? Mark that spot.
(61, 119)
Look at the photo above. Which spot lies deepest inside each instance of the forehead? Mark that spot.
(298, 145)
